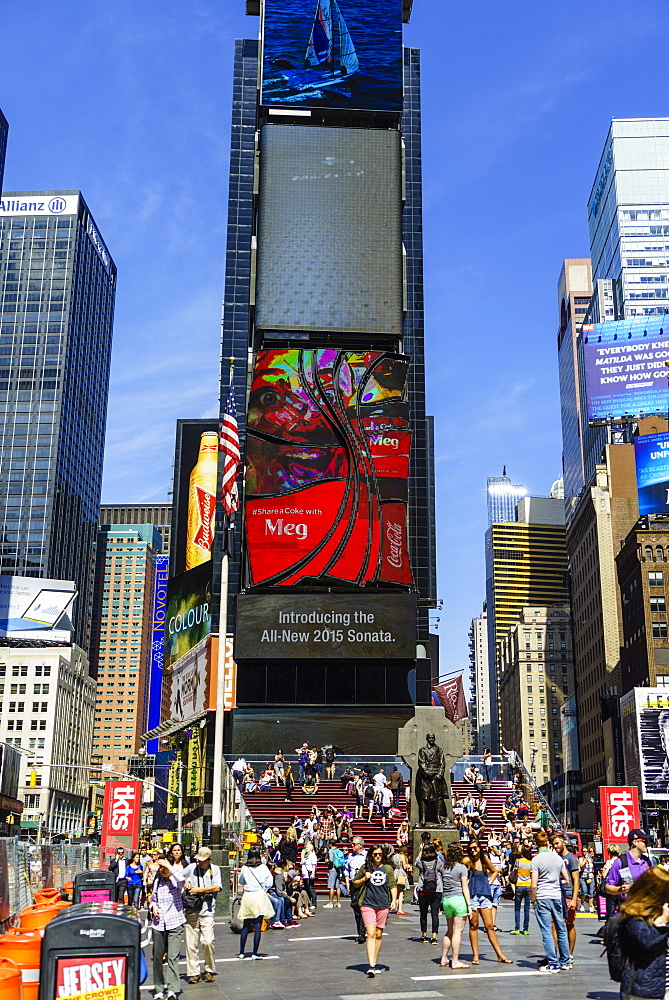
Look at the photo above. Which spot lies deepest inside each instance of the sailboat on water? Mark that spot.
(330, 58)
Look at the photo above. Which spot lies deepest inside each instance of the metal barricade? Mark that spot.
(25, 868)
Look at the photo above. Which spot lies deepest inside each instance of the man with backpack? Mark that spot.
(336, 861)
(629, 866)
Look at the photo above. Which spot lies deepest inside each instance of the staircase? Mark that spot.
(495, 795)
(268, 807)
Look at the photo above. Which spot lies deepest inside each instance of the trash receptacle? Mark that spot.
(94, 886)
(91, 950)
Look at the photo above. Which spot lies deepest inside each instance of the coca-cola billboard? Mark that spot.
(327, 464)
(620, 812)
(122, 813)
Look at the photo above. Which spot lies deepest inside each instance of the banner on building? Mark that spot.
(36, 608)
(121, 815)
(620, 812)
(328, 449)
(625, 370)
(645, 725)
(451, 694)
(230, 668)
(193, 681)
(651, 454)
(334, 54)
(162, 564)
(193, 493)
(188, 618)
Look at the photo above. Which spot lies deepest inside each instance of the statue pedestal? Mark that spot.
(446, 834)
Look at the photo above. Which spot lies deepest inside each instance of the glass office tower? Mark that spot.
(57, 288)
(502, 497)
(4, 129)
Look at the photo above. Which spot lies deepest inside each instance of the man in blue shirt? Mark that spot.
(629, 866)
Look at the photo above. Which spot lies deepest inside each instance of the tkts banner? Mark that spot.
(121, 817)
(620, 812)
(328, 446)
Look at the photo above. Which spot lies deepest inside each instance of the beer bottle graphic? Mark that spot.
(202, 502)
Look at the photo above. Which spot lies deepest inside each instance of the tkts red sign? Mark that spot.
(620, 812)
(121, 817)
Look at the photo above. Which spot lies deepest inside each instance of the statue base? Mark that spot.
(446, 833)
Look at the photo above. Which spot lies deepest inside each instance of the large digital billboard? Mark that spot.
(326, 627)
(156, 686)
(36, 608)
(651, 453)
(329, 250)
(193, 493)
(645, 716)
(188, 617)
(625, 369)
(327, 452)
(344, 54)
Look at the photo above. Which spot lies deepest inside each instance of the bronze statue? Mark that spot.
(431, 784)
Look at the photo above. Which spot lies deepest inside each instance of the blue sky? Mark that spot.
(130, 102)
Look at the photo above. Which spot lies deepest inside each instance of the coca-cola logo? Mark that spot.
(206, 507)
(395, 536)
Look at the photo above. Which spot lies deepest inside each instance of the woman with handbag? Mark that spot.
(255, 879)
(402, 867)
(644, 935)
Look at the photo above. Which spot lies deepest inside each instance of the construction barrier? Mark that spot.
(23, 947)
(11, 987)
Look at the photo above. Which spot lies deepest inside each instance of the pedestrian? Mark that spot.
(402, 838)
(118, 866)
(309, 862)
(279, 768)
(611, 902)
(587, 880)
(133, 872)
(335, 874)
(299, 900)
(429, 890)
(520, 878)
(176, 856)
(386, 805)
(644, 936)
(328, 824)
(303, 759)
(396, 785)
(359, 792)
(352, 866)
(481, 874)
(400, 862)
(377, 897)
(288, 846)
(281, 898)
(202, 882)
(289, 782)
(630, 866)
(255, 880)
(167, 922)
(149, 874)
(456, 905)
(329, 757)
(369, 799)
(547, 872)
(239, 770)
(486, 763)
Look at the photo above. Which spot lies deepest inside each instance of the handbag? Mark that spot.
(513, 875)
(193, 904)
(235, 923)
(509, 892)
(401, 879)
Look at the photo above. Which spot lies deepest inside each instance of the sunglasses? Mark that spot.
(376, 854)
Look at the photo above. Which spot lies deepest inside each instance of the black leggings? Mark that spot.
(256, 923)
(429, 901)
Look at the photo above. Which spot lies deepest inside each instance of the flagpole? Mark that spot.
(219, 719)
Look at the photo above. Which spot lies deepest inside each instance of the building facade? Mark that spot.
(4, 131)
(57, 288)
(536, 678)
(157, 514)
(48, 698)
(642, 579)
(121, 639)
(502, 497)
(479, 705)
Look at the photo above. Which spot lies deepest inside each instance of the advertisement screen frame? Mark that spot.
(625, 371)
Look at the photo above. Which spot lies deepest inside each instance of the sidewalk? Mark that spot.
(322, 961)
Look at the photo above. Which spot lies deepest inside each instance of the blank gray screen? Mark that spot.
(329, 230)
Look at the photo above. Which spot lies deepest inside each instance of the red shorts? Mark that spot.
(371, 916)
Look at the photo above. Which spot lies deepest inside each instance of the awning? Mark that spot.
(10, 805)
(171, 726)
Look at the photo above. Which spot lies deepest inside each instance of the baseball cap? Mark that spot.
(636, 835)
(204, 854)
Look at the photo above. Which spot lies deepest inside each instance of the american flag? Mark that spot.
(229, 445)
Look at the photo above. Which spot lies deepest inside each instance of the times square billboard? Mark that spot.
(651, 454)
(327, 452)
(332, 54)
(625, 369)
(644, 716)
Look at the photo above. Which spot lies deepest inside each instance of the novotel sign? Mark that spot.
(39, 204)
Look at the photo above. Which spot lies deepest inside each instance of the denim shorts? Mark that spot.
(481, 903)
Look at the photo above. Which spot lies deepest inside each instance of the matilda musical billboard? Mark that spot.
(651, 454)
(328, 446)
(344, 54)
(625, 369)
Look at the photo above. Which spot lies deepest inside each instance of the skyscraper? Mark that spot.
(502, 498)
(157, 514)
(574, 294)
(4, 129)
(57, 288)
(340, 170)
(479, 706)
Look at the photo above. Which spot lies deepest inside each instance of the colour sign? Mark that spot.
(651, 454)
(188, 618)
(326, 626)
(344, 54)
(328, 447)
(625, 369)
(620, 812)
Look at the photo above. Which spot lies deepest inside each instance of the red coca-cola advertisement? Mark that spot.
(121, 815)
(328, 449)
(620, 812)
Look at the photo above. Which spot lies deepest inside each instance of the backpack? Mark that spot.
(430, 878)
(613, 946)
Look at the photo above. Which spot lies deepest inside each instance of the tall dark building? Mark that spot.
(57, 288)
(324, 292)
(4, 129)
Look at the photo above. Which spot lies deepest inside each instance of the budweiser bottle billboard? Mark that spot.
(202, 502)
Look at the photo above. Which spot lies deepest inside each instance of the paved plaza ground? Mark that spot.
(322, 961)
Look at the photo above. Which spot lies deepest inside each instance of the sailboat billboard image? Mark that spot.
(333, 54)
